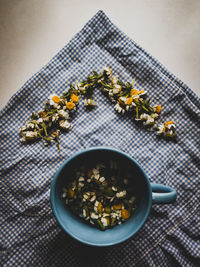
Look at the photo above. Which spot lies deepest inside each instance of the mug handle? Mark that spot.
(162, 194)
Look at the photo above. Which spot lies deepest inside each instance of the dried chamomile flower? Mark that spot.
(158, 109)
(89, 102)
(29, 136)
(63, 114)
(107, 71)
(168, 129)
(54, 100)
(74, 98)
(119, 108)
(65, 125)
(70, 105)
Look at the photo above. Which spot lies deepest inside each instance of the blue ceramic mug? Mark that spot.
(149, 193)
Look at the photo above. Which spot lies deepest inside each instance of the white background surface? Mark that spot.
(33, 31)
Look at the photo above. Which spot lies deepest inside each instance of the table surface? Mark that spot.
(32, 32)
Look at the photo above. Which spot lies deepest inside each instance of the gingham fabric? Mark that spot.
(30, 235)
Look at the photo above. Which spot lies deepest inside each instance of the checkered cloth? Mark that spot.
(30, 235)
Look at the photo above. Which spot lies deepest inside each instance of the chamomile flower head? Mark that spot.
(129, 101)
(55, 117)
(168, 124)
(159, 129)
(30, 125)
(29, 135)
(76, 85)
(136, 98)
(169, 129)
(107, 71)
(79, 86)
(155, 116)
(144, 116)
(149, 121)
(63, 114)
(70, 105)
(134, 92)
(74, 98)
(142, 93)
(114, 81)
(158, 109)
(117, 89)
(53, 98)
(119, 109)
(65, 125)
(122, 100)
(89, 102)
(40, 120)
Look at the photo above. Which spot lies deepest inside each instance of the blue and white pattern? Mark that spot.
(30, 235)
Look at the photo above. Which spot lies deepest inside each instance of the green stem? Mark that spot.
(133, 82)
(137, 115)
(143, 107)
(45, 129)
(58, 144)
(100, 76)
(40, 135)
(106, 85)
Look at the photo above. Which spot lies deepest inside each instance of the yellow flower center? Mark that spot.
(100, 208)
(129, 100)
(108, 221)
(125, 214)
(74, 98)
(158, 109)
(56, 99)
(168, 123)
(70, 105)
(117, 207)
(134, 92)
(141, 92)
(71, 193)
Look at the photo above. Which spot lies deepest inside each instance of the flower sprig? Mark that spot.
(129, 99)
(55, 116)
(87, 87)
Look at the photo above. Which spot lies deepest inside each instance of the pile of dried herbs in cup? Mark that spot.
(101, 196)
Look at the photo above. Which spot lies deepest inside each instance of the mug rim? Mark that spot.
(72, 157)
